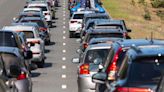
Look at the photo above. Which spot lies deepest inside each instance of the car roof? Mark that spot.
(19, 27)
(96, 14)
(118, 30)
(108, 22)
(26, 24)
(137, 42)
(83, 12)
(27, 9)
(104, 39)
(31, 18)
(37, 4)
(27, 13)
(99, 46)
(148, 51)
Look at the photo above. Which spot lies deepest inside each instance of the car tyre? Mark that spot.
(71, 35)
(41, 64)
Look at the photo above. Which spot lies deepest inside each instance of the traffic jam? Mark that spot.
(109, 60)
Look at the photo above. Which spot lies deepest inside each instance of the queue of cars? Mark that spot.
(109, 60)
(22, 45)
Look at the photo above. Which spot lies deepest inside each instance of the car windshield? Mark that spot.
(39, 22)
(101, 35)
(78, 16)
(30, 15)
(96, 54)
(146, 69)
(7, 39)
(28, 34)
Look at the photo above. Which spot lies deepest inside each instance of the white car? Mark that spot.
(46, 11)
(35, 43)
(33, 10)
(76, 21)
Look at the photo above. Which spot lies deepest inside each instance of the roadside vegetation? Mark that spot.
(142, 16)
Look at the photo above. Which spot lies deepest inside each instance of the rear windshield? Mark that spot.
(108, 26)
(78, 16)
(29, 34)
(146, 69)
(30, 15)
(99, 17)
(96, 54)
(39, 22)
(44, 8)
(7, 39)
(101, 35)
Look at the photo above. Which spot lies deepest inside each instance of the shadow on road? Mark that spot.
(35, 74)
(46, 51)
(47, 64)
(52, 43)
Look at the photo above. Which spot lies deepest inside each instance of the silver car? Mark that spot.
(10, 57)
(90, 62)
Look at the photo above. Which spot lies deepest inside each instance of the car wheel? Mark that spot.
(41, 64)
(48, 42)
(71, 35)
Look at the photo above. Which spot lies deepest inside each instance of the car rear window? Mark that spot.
(146, 69)
(96, 54)
(98, 17)
(44, 8)
(101, 35)
(39, 22)
(78, 16)
(30, 15)
(28, 34)
(7, 39)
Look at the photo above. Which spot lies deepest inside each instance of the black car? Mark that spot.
(117, 54)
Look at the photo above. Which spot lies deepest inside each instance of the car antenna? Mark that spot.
(151, 38)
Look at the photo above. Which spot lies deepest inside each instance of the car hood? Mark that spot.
(12, 50)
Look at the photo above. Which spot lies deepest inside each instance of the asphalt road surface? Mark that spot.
(59, 73)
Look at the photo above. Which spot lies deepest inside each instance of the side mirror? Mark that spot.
(15, 71)
(75, 60)
(100, 77)
(129, 30)
(33, 66)
(28, 55)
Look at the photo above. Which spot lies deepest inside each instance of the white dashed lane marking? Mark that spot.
(63, 58)
(64, 32)
(64, 44)
(63, 67)
(64, 86)
(64, 27)
(64, 51)
(63, 76)
(64, 37)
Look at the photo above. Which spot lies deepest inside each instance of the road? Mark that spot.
(59, 74)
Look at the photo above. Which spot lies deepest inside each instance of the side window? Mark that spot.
(123, 69)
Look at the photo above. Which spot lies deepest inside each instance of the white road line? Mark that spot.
(63, 14)
(64, 32)
(64, 51)
(64, 86)
(63, 26)
(63, 22)
(63, 76)
(64, 37)
(63, 18)
(63, 67)
(63, 58)
(64, 44)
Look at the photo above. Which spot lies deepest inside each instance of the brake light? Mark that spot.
(84, 69)
(42, 29)
(85, 45)
(130, 89)
(113, 66)
(73, 21)
(22, 76)
(35, 41)
(125, 35)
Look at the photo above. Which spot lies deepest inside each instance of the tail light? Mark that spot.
(22, 76)
(32, 43)
(35, 41)
(113, 66)
(42, 29)
(73, 21)
(130, 89)
(84, 69)
(85, 45)
(125, 35)
(47, 14)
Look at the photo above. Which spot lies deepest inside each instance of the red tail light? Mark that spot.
(42, 29)
(130, 89)
(73, 21)
(22, 76)
(125, 35)
(85, 45)
(84, 69)
(112, 69)
(35, 41)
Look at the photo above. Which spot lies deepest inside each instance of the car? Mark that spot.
(112, 24)
(27, 14)
(42, 27)
(118, 53)
(75, 22)
(89, 62)
(99, 33)
(11, 57)
(141, 70)
(46, 11)
(35, 43)
(39, 10)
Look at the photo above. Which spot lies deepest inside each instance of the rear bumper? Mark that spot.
(85, 83)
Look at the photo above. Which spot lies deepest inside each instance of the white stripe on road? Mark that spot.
(64, 86)
(63, 76)
(63, 22)
(64, 51)
(64, 37)
(64, 44)
(64, 32)
(63, 67)
(63, 58)
(63, 26)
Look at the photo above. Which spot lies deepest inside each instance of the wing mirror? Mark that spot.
(129, 30)
(15, 71)
(28, 55)
(75, 60)
(100, 78)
